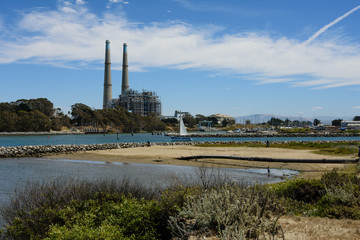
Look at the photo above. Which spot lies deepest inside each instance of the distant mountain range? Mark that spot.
(260, 118)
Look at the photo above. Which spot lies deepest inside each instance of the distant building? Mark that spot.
(180, 113)
(177, 115)
(351, 125)
(220, 117)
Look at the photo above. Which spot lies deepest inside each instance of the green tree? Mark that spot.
(213, 120)
(316, 122)
(8, 121)
(82, 115)
(4, 106)
(189, 121)
(275, 122)
(356, 118)
(227, 122)
(287, 122)
(34, 121)
(199, 118)
(59, 120)
(170, 121)
(336, 122)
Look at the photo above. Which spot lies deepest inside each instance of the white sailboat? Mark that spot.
(183, 133)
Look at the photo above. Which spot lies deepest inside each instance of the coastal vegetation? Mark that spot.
(319, 147)
(209, 206)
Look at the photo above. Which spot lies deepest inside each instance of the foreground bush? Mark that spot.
(335, 195)
(73, 209)
(39, 207)
(341, 197)
(108, 217)
(229, 211)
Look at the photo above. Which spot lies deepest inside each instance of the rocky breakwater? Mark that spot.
(42, 150)
(46, 150)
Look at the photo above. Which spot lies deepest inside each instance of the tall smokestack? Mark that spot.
(107, 77)
(125, 73)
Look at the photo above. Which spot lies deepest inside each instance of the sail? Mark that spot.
(183, 131)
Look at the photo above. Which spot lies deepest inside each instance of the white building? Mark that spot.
(351, 125)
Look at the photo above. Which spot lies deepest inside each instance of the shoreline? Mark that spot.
(169, 155)
(219, 134)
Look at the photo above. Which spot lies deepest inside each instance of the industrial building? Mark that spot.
(143, 103)
(350, 125)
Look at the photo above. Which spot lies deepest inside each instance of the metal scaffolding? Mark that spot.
(141, 103)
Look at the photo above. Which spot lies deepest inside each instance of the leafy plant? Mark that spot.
(231, 209)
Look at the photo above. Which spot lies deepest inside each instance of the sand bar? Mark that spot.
(169, 154)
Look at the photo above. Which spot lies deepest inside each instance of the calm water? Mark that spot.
(16, 172)
(6, 141)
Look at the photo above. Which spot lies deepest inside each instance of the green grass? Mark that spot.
(327, 148)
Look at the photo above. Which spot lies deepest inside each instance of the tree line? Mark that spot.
(36, 115)
(278, 122)
(33, 115)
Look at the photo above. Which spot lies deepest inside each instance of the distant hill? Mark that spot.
(260, 118)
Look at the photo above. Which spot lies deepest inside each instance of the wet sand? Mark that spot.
(169, 154)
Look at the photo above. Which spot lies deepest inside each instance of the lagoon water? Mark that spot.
(6, 141)
(16, 172)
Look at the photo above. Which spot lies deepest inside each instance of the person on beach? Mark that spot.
(359, 153)
(268, 169)
(267, 143)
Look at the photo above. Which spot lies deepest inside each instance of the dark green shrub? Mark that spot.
(36, 206)
(336, 179)
(339, 212)
(304, 190)
(106, 218)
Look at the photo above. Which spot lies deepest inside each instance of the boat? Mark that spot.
(183, 134)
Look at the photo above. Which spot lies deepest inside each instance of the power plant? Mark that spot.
(107, 77)
(125, 72)
(143, 103)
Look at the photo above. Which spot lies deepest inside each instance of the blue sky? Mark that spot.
(295, 58)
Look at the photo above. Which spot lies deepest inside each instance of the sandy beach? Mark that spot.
(169, 154)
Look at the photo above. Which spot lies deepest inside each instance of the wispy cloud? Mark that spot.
(357, 107)
(316, 108)
(326, 27)
(112, 2)
(71, 36)
(80, 2)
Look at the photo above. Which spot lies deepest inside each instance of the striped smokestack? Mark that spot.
(125, 73)
(107, 77)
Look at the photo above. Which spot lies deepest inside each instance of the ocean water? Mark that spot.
(6, 141)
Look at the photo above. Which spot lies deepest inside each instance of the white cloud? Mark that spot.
(80, 2)
(316, 108)
(357, 107)
(72, 36)
(111, 2)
